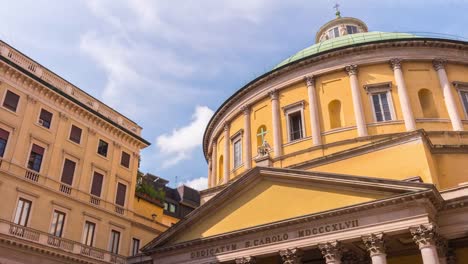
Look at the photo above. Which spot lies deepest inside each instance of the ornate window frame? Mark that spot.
(237, 137)
(462, 87)
(375, 88)
(292, 109)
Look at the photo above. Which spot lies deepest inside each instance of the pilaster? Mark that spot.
(227, 158)
(313, 108)
(352, 71)
(246, 109)
(405, 103)
(276, 122)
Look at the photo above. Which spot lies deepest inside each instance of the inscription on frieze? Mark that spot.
(305, 231)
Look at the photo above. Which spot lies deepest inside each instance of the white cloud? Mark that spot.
(178, 145)
(197, 184)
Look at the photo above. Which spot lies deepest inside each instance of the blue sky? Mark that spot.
(169, 64)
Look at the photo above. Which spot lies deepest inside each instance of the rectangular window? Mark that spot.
(88, 236)
(135, 246)
(114, 243)
(120, 196)
(35, 158)
(125, 159)
(237, 153)
(45, 118)
(166, 206)
(58, 221)
(75, 134)
(351, 29)
(3, 141)
(464, 97)
(11, 101)
(22, 212)
(96, 187)
(381, 107)
(172, 208)
(102, 148)
(295, 126)
(68, 172)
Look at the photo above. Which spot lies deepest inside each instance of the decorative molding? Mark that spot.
(310, 80)
(239, 133)
(63, 116)
(91, 131)
(61, 205)
(424, 235)
(274, 94)
(331, 251)
(226, 127)
(246, 260)
(351, 69)
(291, 256)
(31, 99)
(374, 243)
(27, 192)
(460, 85)
(378, 87)
(439, 64)
(300, 104)
(395, 64)
(92, 216)
(117, 225)
(246, 109)
(117, 145)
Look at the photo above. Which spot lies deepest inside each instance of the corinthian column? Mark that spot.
(214, 167)
(276, 122)
(227, 159)
(247, 138)
(246, 260)
(425, 237)
(403, 95)
(439, 66)
(313, 107)
(291, 256)
(331, 252)
(357, 103)
(375, 244)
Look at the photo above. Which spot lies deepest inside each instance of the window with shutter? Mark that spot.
(125, 159)
(96, 187)
(68, 171)
(45, 118)
(75, 134)
(120, 197)
(35, 158)
(3, 141)
(11, 101)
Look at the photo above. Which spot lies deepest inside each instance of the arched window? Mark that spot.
(220, 169)
(334, 111)
(426, 99)
(261, 134)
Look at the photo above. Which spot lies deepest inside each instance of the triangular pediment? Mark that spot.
(268, 195)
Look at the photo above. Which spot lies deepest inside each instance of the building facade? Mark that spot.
(353, 150)
(68, 166)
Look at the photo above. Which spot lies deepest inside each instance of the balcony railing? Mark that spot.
(57, 186)
(66, 245)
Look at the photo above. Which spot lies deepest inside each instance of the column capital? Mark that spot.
(291, 256)
(424, 235)
(395, 63)
(274, 94)
(331, 251)
(226, 126)
(310, 80)
(351, 69)
(246, 260)
(439, 64)
(31, 99)
(374, 243)
(63, 116)
(246, 109)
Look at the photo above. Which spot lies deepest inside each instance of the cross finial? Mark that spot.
(337, 8)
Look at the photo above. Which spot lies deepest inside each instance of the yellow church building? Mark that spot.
(353, 150)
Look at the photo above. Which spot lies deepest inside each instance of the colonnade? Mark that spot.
(314, 122)
(430, 244)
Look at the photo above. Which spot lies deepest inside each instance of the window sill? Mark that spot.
(42, 127)
(102, 157)
(390, 122)
(237, 168)
(10, 111)
(296, 141)
(436, 120)
(125, 168)
(73, 142)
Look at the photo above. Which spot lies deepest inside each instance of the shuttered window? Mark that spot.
(96, 187)
(11, 101)
(35, 158)
(75, 134)
(120, 197)
(125, 159)
(3, 141)
(45, 118)
(68, 171)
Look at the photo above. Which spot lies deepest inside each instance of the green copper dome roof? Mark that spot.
(344, 41)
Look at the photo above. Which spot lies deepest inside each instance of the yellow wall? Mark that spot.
(452, 169)
(270, 201)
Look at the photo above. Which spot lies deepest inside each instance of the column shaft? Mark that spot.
(314, 114)
(439, 66)
(408, 116)
(227, 151)
(357, 102)
(379, 259)
(214, 166)
(276, 122)
(429, 255)
(247, 139)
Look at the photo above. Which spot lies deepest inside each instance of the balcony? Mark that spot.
(64, 246)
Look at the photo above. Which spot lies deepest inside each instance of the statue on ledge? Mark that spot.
(264, 149)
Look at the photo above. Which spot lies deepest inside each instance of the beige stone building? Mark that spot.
(68, 166)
